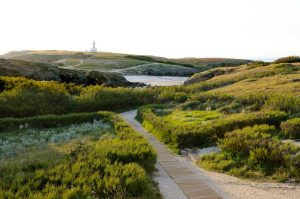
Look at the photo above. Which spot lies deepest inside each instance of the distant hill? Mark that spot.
(124, 63)
(47, 72)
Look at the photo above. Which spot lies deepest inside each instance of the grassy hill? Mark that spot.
(124, 63)
(250, 78)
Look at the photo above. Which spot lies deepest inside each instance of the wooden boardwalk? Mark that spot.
(182, 182)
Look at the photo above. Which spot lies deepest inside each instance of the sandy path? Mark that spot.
(237, 188)
(244, 189)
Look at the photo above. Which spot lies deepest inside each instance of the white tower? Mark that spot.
(93, 49)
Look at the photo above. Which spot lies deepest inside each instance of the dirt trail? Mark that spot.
(177, 178)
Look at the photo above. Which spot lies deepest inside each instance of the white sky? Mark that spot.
(172, 28)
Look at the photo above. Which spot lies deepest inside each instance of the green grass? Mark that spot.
(179, 117)
(178, 131)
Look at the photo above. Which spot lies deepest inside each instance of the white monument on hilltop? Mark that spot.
(93, 49)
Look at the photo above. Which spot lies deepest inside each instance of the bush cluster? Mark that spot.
(110, 168)
(291, 128)
(23, 97)
(255, 149)
(203, 134)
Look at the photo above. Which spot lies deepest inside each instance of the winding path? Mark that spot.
(176, 178)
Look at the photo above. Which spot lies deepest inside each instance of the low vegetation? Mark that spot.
(79, 164)
(22, 97)
(14, 142)
(54, 143)
(207, 128)
(255, 152)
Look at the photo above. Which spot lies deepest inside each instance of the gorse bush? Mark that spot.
(109, 168)
(291, 128)
(202, 133)
(254, 149)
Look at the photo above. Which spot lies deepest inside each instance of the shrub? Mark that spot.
(240, 142)
(274, 102)
(32, 98)
(291, 128)
(295, 165)
(171, 95)
(254, 152)
(22, 97)
(285, 103)
(102, 98)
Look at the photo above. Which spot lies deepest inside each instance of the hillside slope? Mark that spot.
(47, 72)
(124, 63)
(250, 78)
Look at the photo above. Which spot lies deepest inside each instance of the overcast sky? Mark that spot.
(171, 28)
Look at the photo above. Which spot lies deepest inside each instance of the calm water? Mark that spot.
(157, 80)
